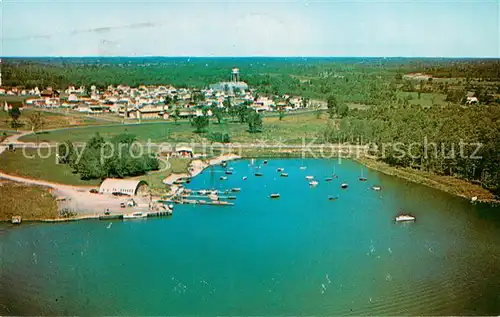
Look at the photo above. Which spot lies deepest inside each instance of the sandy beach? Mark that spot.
(197, 166)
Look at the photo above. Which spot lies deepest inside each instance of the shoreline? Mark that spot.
(449, 184)
(197, 166)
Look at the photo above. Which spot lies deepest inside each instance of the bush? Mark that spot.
(219, 137)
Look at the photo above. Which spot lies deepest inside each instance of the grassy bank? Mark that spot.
(29, 202)
(52, 120)
(448, 184)
(16, 163)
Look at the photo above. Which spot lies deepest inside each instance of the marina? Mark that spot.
(286, 230)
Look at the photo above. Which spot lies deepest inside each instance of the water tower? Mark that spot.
(235, 75)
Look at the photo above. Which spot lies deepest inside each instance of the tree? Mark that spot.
(200, 123)
(176, 114)
(281, 114)
(254, 122)
(305, 102)
(342, 110)
(65, 153)
(332, 104)
(241, 112)
(36, 121)
(15, 114)
(218, 113)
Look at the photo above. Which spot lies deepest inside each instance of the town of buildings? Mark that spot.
(154, 102)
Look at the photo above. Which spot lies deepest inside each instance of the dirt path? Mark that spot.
(77, 198)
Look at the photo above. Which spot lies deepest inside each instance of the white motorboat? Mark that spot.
(244, 178)
(237, 189)
(274, 196)
(135, 215)
(344, 185)
(313, 183)
(309, 177)
(284, 175)
(223, 178)
(405, 218)
(377, 188)
(280, 169)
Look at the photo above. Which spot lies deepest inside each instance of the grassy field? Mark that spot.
(426, 99)
(29, 202)
(15, 163)
(291, 130)
(52, 120)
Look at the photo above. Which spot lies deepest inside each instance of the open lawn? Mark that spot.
(426, 99)
(51, 120)
(290, 130)
(29, 202)
(15, 163)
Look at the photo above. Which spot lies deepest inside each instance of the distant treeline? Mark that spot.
(357, 80)
(451, 140)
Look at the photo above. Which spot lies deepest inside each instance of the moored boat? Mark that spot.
(229, 172)
(223, 178)
(404, 218)
(333, 197)
(376, 188)
(284, 175)
(344, 185)
(135, 215)
(280, 169)
(274, 196)
(309, 177)
(258, 174)
(244, 178)
(313, 183)
(236, 189)
(328, 179)
(363, 179)
(265, 162)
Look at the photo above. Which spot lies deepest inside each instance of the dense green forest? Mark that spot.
(355, 80)
(452, 140)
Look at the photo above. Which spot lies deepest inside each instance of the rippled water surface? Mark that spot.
(298, 255)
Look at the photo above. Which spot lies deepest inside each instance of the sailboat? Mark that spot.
(334, 175)
(302, 167)
(362, 178)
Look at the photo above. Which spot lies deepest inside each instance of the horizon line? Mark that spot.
(248, 56)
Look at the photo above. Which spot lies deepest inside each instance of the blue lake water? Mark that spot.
(298, 255)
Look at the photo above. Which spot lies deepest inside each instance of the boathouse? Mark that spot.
(131, 187)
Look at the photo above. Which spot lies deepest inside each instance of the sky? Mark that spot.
(388, 28)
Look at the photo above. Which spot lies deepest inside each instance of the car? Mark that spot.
(94, 191)
(122, 205)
